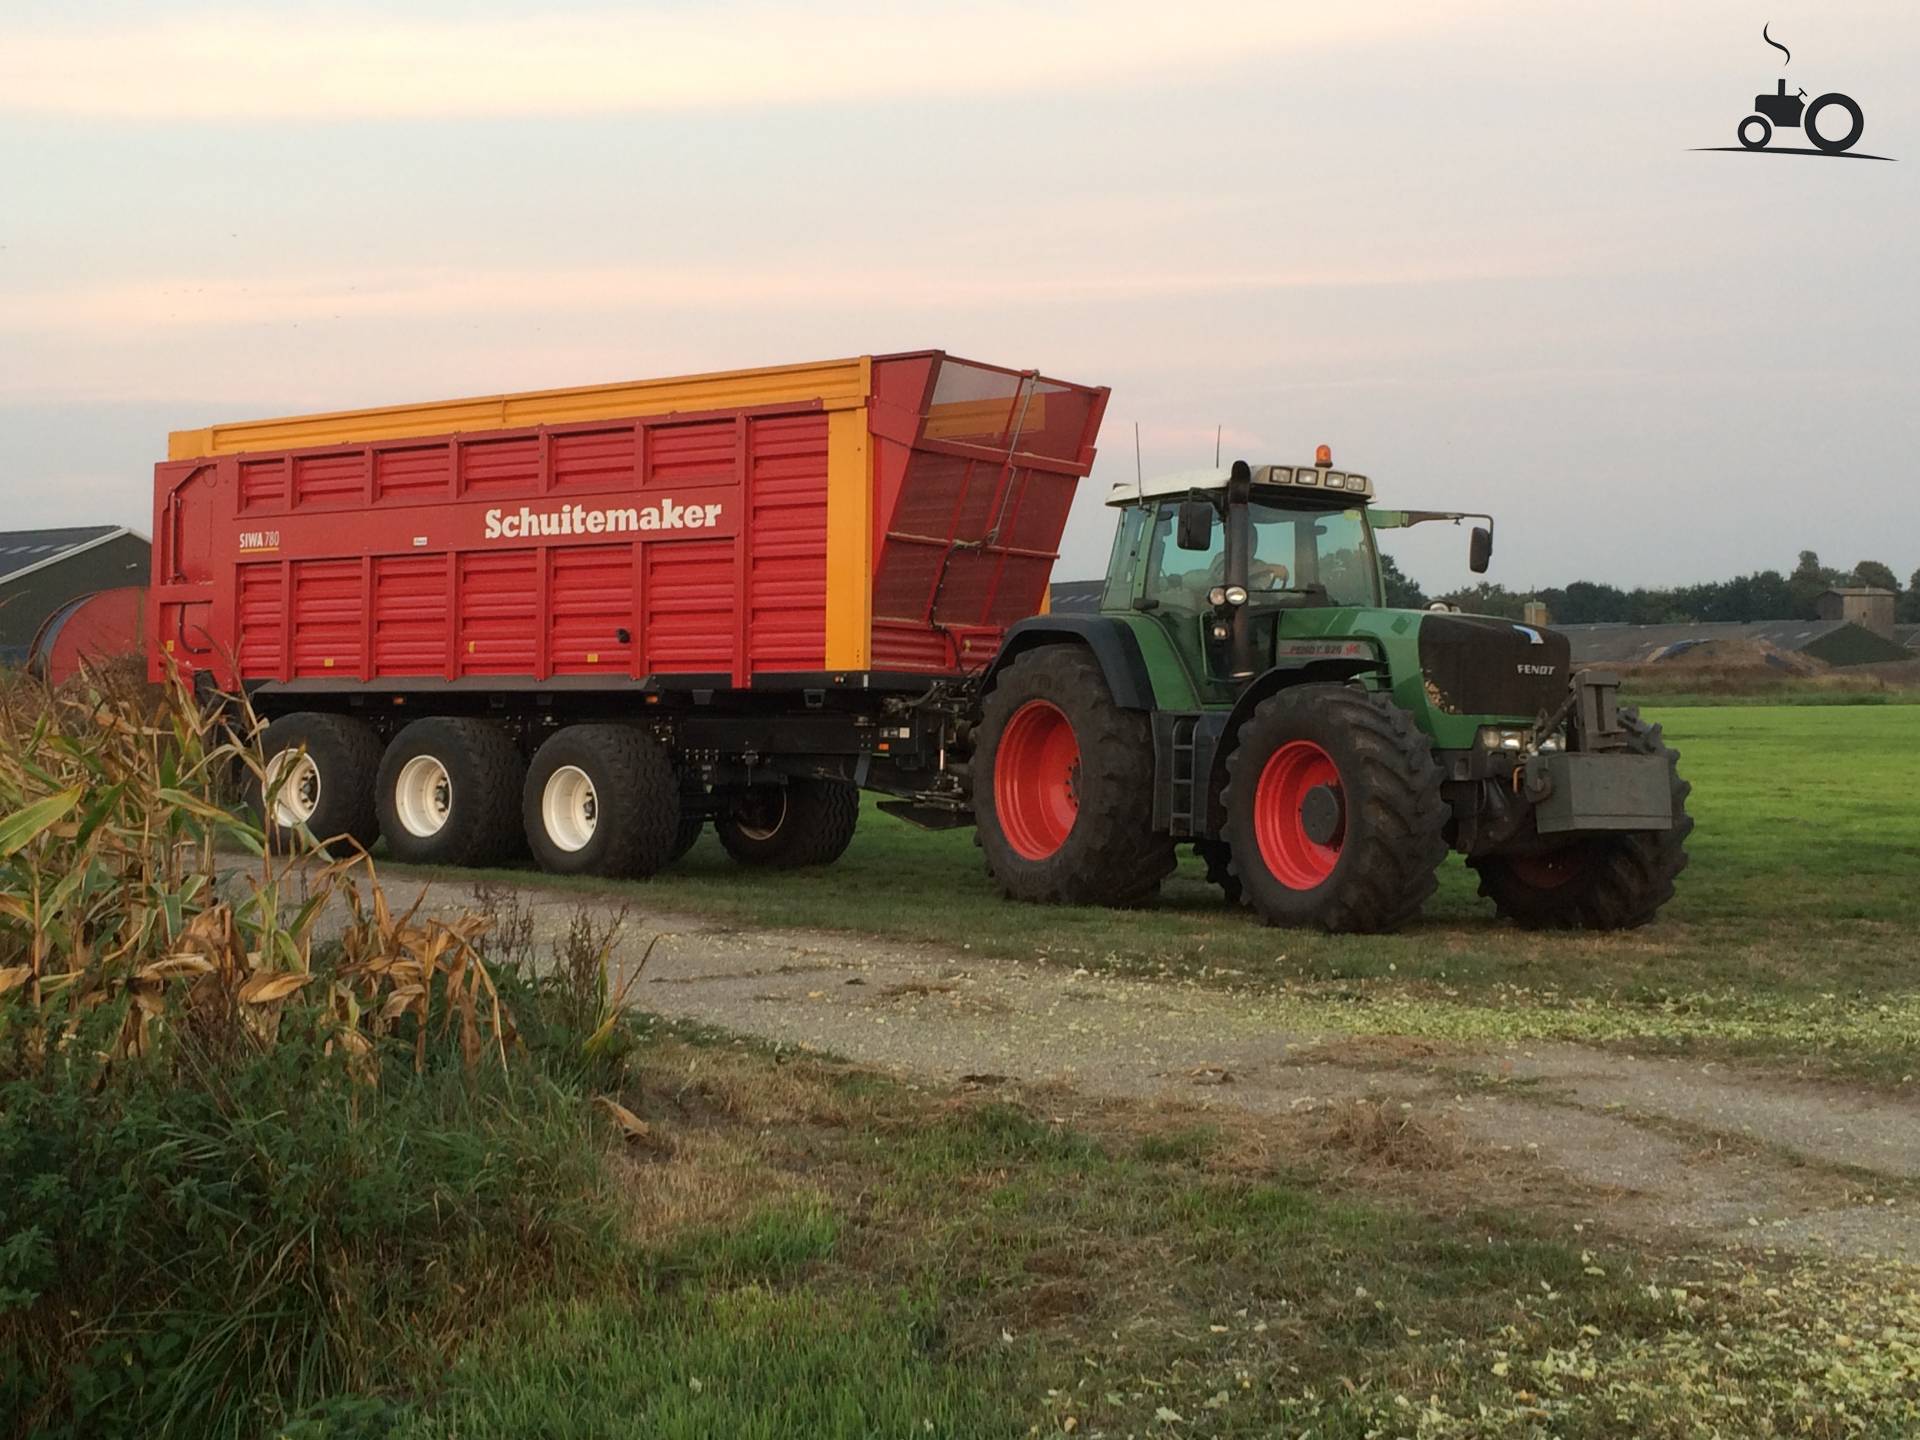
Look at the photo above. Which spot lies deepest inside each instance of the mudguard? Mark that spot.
(1111, 641)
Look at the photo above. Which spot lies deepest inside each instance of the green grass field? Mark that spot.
(1795, 935)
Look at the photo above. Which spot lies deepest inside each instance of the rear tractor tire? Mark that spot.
(785, 827)
(446, 793)
(1607, 882)
(601, 800)
(318, 775)
(1217, 856)
(1334, 811)
(1063, 786)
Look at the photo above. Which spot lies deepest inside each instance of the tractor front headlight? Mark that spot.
(1497, 737)
(1236, 594)
(1217, 596)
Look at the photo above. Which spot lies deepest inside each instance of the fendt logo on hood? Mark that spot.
(1525, 669)
(526, 522)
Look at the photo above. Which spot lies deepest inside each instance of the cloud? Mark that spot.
(353, 62)
(211, 302)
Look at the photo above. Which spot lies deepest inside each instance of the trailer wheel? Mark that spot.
(446, 793)
(601, 800)
(318, 775)
(1063, 786)
(1609, 882)
(783, 827)
(1334, 810)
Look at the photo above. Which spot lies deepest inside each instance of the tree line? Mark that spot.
(1763, 595)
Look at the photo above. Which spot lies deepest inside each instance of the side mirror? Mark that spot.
(1196, 525)
(1480, 550)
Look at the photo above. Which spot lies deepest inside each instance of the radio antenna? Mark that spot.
(1139, 475)
(1216, 446)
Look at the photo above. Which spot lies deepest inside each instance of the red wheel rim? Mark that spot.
(1291, 856)
(1036, 780)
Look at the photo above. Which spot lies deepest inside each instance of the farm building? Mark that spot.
(1868, 606)
(43, 570)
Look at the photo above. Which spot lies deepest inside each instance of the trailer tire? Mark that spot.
(446, 793)
(812, 824)
(1063, 786)
(329, 789)
(602, 800)
(1611, 882)
(1334, 810)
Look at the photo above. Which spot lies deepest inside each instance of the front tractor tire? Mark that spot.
(786, 827)
(1063, 786)
(1604, 882)
(1334, 812)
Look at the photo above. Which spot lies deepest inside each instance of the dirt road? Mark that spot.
(1658, 1142)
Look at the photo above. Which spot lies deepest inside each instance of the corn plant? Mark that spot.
(126, 878)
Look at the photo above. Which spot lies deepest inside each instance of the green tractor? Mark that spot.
(1246, 690)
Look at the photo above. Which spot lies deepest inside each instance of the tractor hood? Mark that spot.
(1477, 665)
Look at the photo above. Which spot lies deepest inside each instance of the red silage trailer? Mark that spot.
(589, 620)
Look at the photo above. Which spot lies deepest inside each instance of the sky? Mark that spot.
(1469, 246)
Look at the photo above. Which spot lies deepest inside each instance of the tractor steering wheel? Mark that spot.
(1262, 575)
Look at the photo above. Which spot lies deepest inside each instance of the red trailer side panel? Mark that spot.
(671, 543)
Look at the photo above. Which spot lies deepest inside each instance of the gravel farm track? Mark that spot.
(1680, 1147)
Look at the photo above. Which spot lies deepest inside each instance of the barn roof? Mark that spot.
(25, 550)
(1629, 644)
(1075, 597)
(1838, 642)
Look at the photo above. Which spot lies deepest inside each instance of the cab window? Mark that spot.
(1179, 579)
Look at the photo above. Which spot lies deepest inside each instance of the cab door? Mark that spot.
(1172, 589)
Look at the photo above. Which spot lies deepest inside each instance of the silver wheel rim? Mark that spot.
(569, 808)
(765, 832)
(293, 785)
(423, 796)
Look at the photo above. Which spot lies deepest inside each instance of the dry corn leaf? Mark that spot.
(407, 997)
(14, 976)
(634, 1127)
(265, 989)
(178, 963)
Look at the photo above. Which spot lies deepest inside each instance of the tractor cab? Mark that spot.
(1237, 563)
(1209, 554)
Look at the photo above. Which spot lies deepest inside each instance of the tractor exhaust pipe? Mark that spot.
(1239, 541)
